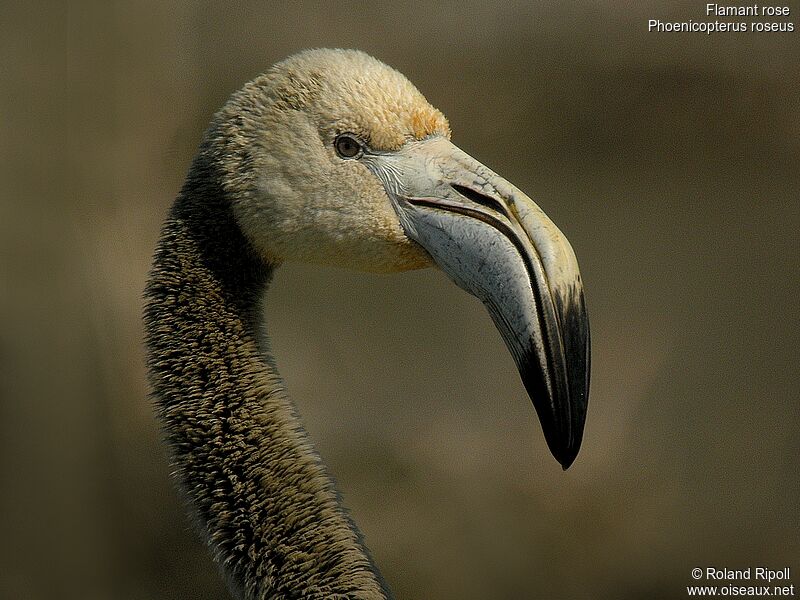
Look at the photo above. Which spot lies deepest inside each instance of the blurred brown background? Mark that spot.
(669, 160)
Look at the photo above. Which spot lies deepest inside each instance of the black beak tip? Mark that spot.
(563, 445)
(562, 421)
(566, 456)
(560, 393)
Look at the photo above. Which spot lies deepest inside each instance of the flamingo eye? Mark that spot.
(347, 146)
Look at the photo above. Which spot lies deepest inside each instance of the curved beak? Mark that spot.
(495, 243)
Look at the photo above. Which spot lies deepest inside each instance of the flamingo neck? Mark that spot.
(262, 497)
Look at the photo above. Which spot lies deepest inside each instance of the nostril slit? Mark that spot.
(479, 198)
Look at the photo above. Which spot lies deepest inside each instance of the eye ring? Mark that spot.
(348, 146)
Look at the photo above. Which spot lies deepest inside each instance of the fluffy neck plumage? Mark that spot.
(265, 503)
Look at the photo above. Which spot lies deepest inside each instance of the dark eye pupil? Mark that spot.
(347, 147)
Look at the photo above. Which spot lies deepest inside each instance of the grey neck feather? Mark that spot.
(264, 502)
